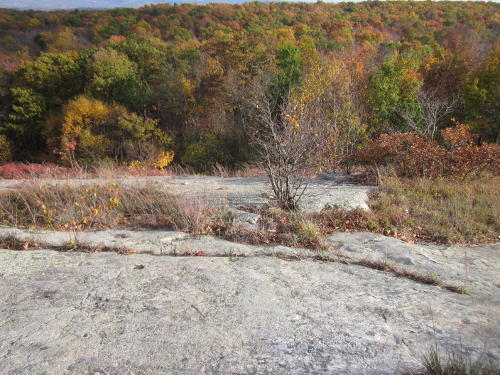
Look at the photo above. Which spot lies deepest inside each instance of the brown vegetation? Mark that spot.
(94, 207)
(409, 155)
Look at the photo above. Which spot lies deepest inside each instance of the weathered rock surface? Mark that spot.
(476, 266)
(247, 220)
(63, 313)
(237, 191)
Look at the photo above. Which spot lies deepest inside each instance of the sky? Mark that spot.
(108, 4)
(93, 4)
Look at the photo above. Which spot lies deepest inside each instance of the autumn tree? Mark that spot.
(393, 88)
(99, 130)
(482, 98)
(60, 41)
(115, 79)
(335, 86)
(5, 149)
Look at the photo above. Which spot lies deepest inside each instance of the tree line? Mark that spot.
(206, 84)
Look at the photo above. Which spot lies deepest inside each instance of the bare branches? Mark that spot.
(433, 109)
(288, 139)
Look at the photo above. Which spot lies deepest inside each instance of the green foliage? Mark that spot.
(115, 79)
(482, 98)
(288, 75)
(28, 106)
(215, 148)
(393, 88)
(48, 76)
(24, 122)
(150, 56)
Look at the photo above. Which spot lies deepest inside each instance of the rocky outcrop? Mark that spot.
(233, 308)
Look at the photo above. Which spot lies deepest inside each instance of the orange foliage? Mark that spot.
(412, 156)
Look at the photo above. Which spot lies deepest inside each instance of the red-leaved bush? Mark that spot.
(409, 155)
(48, 170)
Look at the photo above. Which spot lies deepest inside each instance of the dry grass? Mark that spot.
(415, 210)
(246, 170)
(107, 169)
(279, 227)
(92, 207)
(435, 210)
(441, 210)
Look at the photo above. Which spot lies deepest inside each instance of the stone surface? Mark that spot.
(67, 313)
(193, 305)
(142, 241)
(237, 191)
(476, 266)
(155, 242)
(247, 220)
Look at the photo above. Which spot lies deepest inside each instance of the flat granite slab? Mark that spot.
(106, 313)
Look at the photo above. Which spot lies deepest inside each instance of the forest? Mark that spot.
(187, 83)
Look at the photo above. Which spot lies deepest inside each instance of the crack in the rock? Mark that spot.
(331, 258)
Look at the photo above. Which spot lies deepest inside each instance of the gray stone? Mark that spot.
(246, 220)
(64, 313)
(476, 266)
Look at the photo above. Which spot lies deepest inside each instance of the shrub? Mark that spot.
(409, 155)
(163, 160)
(465, 157)
(20, 170)
(307, 231)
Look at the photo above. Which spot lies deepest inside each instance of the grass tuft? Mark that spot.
(457, 363)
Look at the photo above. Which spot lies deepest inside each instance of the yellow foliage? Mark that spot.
(81, 115)
(137, 165)
(96, 130)
(163, 159)
(328, 87)
(285, 35)
(187, 87)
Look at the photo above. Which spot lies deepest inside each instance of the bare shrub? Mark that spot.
(311, 125)
(433, 109)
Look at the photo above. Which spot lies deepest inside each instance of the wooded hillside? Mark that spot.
(179, 81)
